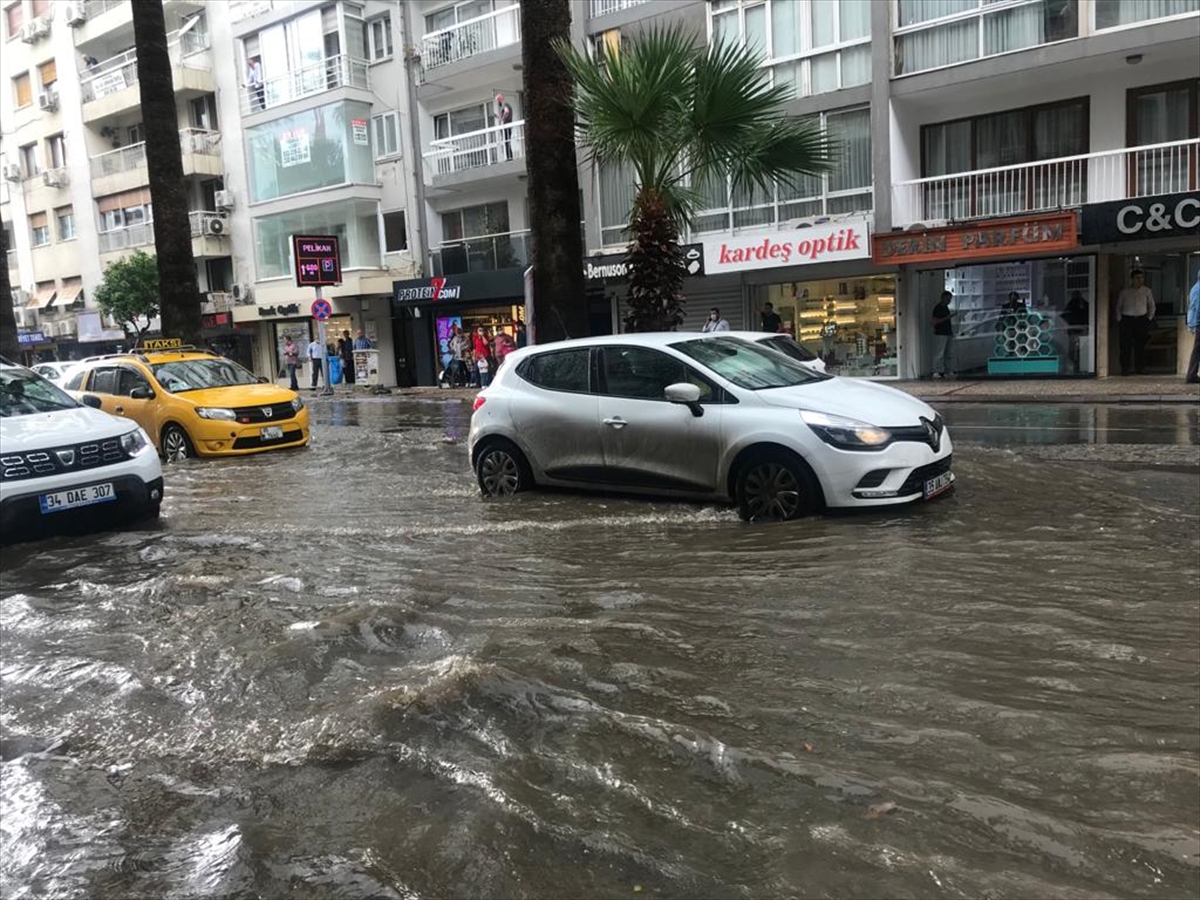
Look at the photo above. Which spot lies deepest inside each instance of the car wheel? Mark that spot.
(775, 486)
(502, 470)
(175, 444)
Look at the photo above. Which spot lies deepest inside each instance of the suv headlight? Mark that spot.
(846, 434)
(214, 412)
(297, 404)
(135, 442)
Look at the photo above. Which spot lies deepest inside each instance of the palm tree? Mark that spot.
(180, 289)
(682, 117)
(10, 347)
(560, 304)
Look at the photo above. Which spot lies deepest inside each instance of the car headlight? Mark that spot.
(297, 404)
(135, 442)
(215, 412)
(846, 434)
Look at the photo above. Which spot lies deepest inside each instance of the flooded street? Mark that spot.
(340, 673)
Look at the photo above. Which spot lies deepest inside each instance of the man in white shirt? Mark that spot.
(715, 322)
(316, 357)
(1135, 312)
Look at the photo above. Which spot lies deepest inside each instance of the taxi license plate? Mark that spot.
(935, 486)
(85, 496)
(271, 433)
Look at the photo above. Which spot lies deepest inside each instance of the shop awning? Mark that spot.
(71, 289)
(44, 297)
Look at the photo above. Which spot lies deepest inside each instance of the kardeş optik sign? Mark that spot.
(848, 239)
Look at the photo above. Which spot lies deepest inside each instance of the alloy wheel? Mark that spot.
(499, 474)
(175, 445)
(772, 491)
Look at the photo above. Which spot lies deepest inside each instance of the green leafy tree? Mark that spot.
(682, 116)
(129, 293)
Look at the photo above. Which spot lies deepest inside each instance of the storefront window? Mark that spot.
(353, 222)
(848, 322)
(1024, 318)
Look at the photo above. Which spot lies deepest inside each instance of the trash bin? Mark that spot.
(335, 370)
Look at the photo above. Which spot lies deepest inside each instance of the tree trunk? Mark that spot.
(656, 267)
(560, 303)
(168, 191)
(10, 347)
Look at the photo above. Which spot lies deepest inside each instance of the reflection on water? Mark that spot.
(1074, 423)
(339, 673)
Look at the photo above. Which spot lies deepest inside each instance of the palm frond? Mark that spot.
(782, 151)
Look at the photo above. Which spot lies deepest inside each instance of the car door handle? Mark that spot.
(616, 422)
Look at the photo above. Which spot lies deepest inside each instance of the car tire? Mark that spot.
(502, 470)
(176, 445)
(776, 486)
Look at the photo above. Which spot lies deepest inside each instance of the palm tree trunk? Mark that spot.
(10, 347)
(656, 268)
(168, 191)
(560, 303)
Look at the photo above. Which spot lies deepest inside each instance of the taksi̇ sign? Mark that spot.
(831, 242)
(1161, 216)
(979, 240)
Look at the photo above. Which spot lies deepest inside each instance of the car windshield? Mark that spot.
(23, 393)
(747, 364)
(197, 374)
(785, 344)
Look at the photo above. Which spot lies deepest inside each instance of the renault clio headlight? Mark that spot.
(215, 412)
(846, 434)
(135, 442)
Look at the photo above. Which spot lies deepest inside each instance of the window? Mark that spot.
(748, 366)
(105, 380)
(387, 134)
(65, 216)
(395, 238)
(931, 34)
(56, 151)
(1114, 13)
(354, 222)
(379, 38)
(41, 8)
(563, 370)
(14, 16)
(29, 161)
(644, 374)
(131, 380)
(47, 74)
(39, 229)
(22, 90)
(816, 46)
(1163, 114)
(317, 148)
(475, 221)
(470, 152)
(125, 209)
(616, 190)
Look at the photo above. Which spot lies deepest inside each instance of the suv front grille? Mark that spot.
(279, 412)
(915, 482)
(58, 460)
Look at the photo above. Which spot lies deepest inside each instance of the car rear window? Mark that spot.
(562, 370)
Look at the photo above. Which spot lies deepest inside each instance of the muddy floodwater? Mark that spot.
(340, 673)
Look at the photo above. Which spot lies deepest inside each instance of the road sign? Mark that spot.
(321, 310)
(317, 260)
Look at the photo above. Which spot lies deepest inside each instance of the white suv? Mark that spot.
(62, 462)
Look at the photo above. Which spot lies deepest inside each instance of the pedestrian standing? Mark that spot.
(459, 348)
(254, 84)
(771, 323)
(346, 352)
(1015, 303)
(316, 359)
(291, 359)
(502, 345)
(1193, 322)
(1077, 316)
(362, 342)
(505, 115)
(482, 365)
(1135, 313)
(943, 336)
(715, 322)
(521, 336)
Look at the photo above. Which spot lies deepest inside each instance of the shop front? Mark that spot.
(1023, 296)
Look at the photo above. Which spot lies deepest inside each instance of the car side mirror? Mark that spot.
(141, 393)
(262, 379)
(686, 394)
(90, 400)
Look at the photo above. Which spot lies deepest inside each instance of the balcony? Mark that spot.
(482, 254)
(499, 28)
(110, 88)
(328, 75)
(125, 168)
(121, 239)
(1049, 184)
(210, 234)
(215, 302)
(477, 150)
(600, 8)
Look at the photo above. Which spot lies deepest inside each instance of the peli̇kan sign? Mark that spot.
(831, 242)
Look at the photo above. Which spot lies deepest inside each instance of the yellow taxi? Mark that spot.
(193, 403)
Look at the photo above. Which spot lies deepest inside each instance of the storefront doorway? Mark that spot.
(1169, 277)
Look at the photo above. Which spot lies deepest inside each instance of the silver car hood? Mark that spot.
(866, 401)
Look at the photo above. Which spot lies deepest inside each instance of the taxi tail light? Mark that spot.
(479, 401)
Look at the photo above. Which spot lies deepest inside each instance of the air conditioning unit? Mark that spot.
(35, 30)
(215, 225)
(54, 177)
(241, 293)
(12, 172)
(65, 328)
(76, 14)
(48, 100)
(224, 199)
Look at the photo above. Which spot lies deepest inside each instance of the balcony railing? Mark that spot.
(95, 8)
(126, 159)
(12, 260)
(476, 149)
(249, 9)
(119, 72)
(482, 254)
(127, 238)
(200, 222)
(215, 302)
(499, 28)
(1049, 184)
(331, 73)
(607, 7)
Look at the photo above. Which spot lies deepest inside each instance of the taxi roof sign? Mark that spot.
(164, 344)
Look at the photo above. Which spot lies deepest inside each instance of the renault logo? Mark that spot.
(931, 432)
(66, 457)
(267, 412)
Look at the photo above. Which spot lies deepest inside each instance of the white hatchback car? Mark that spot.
(703, 416)
(64, 462)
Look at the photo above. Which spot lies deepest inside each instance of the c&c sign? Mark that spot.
(1161, 216)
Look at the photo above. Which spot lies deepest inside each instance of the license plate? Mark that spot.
(935, 486)
(85, 496)
(271, 433)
